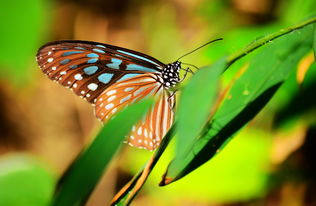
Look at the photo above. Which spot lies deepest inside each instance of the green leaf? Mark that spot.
(250, 93)
(83, 175)
(24, 181)
(195, 105)
(314, 42)
(20, 37)
(302, 102)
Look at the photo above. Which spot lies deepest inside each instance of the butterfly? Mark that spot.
(111, 78)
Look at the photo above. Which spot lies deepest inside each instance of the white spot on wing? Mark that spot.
(109, 106)
(92, 86)
(78, 77)
(145, 132)
(111, 92)
(128, 89)
(139, 131)
(125, 98)
(111, 98)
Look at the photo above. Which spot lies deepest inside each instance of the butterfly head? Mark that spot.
(170, 74)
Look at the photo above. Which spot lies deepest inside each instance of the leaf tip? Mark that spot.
(165, 180)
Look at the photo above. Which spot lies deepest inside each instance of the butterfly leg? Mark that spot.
(186, 73)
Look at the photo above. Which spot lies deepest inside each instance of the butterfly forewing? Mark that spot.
(90, 67)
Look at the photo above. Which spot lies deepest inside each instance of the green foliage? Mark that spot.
(296, 10)
(21, 29)
(314, 42)
(24, 182)
(82, 176)
(301, 102)
(193, 113)
(249, 94)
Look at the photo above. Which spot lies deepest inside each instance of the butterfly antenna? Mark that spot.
(200, 47)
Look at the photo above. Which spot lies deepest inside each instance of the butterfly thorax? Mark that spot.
(170, 74)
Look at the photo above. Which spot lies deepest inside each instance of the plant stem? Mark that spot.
(251, 47)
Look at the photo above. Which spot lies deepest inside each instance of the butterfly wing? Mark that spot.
(112, 78)
(88, 68)
(148, 132)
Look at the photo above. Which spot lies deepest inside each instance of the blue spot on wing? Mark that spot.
(93, 60)
(91, 55)
(126, 76)
(65, 61)
(115, 63)
(138, 57)
(100, 46)
(98, 50)
(90, 70)
(105, 77)
(139, 68)
(70, 53)
(73, 66)
(78, 47)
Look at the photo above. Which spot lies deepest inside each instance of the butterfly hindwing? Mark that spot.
(124, 93)
(148, 132)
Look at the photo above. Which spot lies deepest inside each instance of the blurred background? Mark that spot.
(44, 126)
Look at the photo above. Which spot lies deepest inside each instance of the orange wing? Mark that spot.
(148, 132)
